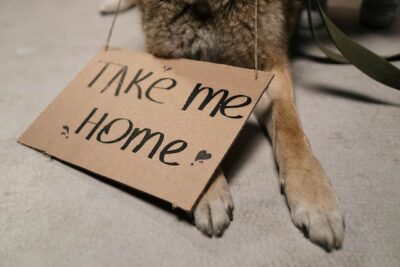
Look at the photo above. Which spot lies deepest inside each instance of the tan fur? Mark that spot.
(223, 31)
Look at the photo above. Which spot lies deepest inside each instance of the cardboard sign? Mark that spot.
(161, 126)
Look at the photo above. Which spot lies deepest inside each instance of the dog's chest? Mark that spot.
(225, 37)
(231, 43)
(201, 43)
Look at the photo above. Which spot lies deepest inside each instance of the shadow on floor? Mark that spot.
(243, 147)
(348, 94)
(161, 204)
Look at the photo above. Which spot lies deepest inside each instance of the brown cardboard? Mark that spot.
(159, 102)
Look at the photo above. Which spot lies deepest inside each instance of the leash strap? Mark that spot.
(371, 64)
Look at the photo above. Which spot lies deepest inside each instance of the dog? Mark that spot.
(222, 31)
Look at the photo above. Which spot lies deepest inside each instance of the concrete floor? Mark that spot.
(53, 215)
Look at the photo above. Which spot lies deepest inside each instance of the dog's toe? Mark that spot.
(202, 218)
(219, 217)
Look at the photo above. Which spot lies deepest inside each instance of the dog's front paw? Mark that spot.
(323, 227)
(214, 211)
(314, 206)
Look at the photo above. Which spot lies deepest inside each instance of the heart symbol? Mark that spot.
(203, 155)
(65, 131)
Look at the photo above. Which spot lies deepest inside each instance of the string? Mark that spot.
(110, 32)
(256, 39)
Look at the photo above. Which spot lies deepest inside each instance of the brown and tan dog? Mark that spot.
(223, 31)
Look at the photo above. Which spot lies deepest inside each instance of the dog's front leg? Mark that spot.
(213, 213)
(311, 198)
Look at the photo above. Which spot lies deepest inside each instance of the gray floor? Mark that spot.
(53, 215)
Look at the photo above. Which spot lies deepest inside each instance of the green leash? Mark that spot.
(376, 67)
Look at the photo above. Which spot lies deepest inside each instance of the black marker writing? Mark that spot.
(126, 133)
(222, 104)
(121, 82)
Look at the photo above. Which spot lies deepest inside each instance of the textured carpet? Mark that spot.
(53, 215)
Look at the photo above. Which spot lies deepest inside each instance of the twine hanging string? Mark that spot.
(110, 31)
(256, 39)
